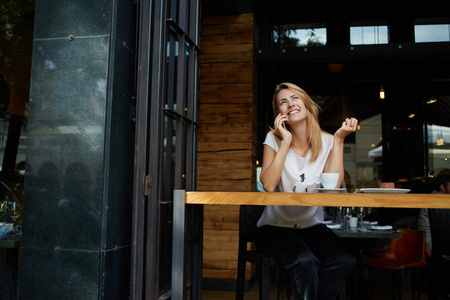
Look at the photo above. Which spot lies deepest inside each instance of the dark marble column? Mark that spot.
(78, 184)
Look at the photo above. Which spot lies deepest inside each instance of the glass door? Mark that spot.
(166, 123)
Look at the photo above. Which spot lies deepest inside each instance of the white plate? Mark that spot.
(334, 226)
(324, 190)
(384, 191)
(380, 227)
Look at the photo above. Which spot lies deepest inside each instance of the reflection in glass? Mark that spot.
(172, 69)
(368, 143)
(168, 169)
(438, 148)
(186, 79)
(169, 156)
(173, 10)
(194, 91)
(437, 130)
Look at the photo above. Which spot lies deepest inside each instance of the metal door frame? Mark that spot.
(151, 110)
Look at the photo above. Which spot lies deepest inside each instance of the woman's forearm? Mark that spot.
(273, 164)
(335, 161)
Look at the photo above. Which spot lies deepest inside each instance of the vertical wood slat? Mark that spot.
(227, 137)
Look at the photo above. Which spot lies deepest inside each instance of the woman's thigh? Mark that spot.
(319, 240)
(326, 245)
(277, 241)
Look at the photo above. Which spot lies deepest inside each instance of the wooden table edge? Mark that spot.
(319, 199)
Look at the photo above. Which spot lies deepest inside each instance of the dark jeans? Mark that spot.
(317, 259)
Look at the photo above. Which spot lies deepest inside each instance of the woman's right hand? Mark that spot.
(273, 162)
(281, 130)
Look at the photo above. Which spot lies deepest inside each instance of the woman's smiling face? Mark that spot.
(291, 105)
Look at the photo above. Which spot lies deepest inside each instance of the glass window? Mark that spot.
(16, 41)
(432, 33)
(368, 35)
(438, 135)
(171, 69)
(300, 35)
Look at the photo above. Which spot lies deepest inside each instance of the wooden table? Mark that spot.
(181, 198)
(319, 199)
(370, 234)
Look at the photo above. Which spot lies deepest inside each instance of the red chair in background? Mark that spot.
(407, 253)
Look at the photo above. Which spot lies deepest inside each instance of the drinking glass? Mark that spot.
(361, 214)
(340, 216)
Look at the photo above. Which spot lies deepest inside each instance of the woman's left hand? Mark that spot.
(348, 127)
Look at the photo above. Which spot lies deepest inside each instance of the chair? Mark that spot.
(440, 252)
(249, 215)
(405, 253)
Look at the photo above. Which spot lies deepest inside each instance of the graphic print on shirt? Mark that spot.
(300, 185)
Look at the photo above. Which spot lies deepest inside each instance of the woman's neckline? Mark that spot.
(297, 155)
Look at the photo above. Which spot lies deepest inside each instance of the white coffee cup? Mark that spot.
(328, 180)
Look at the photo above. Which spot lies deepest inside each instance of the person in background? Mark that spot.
(441, 185)
(295, 152)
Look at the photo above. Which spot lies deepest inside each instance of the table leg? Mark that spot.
(178, 245)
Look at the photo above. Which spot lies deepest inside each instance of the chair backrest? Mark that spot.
(440, 231)
(248, 216)
(410, 249)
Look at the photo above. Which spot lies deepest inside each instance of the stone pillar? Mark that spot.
(78, 184)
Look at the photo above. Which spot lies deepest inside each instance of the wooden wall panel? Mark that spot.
(215, 146)
(227, 136)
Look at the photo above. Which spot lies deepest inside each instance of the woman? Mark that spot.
(296, 151)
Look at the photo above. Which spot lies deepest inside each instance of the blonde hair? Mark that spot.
(312, 116)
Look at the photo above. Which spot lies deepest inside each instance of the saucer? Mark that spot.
(384, 191)
(334, 226)
(380, 227)
(324, 190)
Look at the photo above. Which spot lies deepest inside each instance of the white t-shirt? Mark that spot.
(297, 177)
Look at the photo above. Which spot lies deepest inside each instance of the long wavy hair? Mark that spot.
(312, 116)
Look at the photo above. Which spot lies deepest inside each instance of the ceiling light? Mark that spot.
(382, 95)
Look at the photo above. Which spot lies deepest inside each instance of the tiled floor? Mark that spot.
(254, 295)
(380, 293)
(382, 288)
